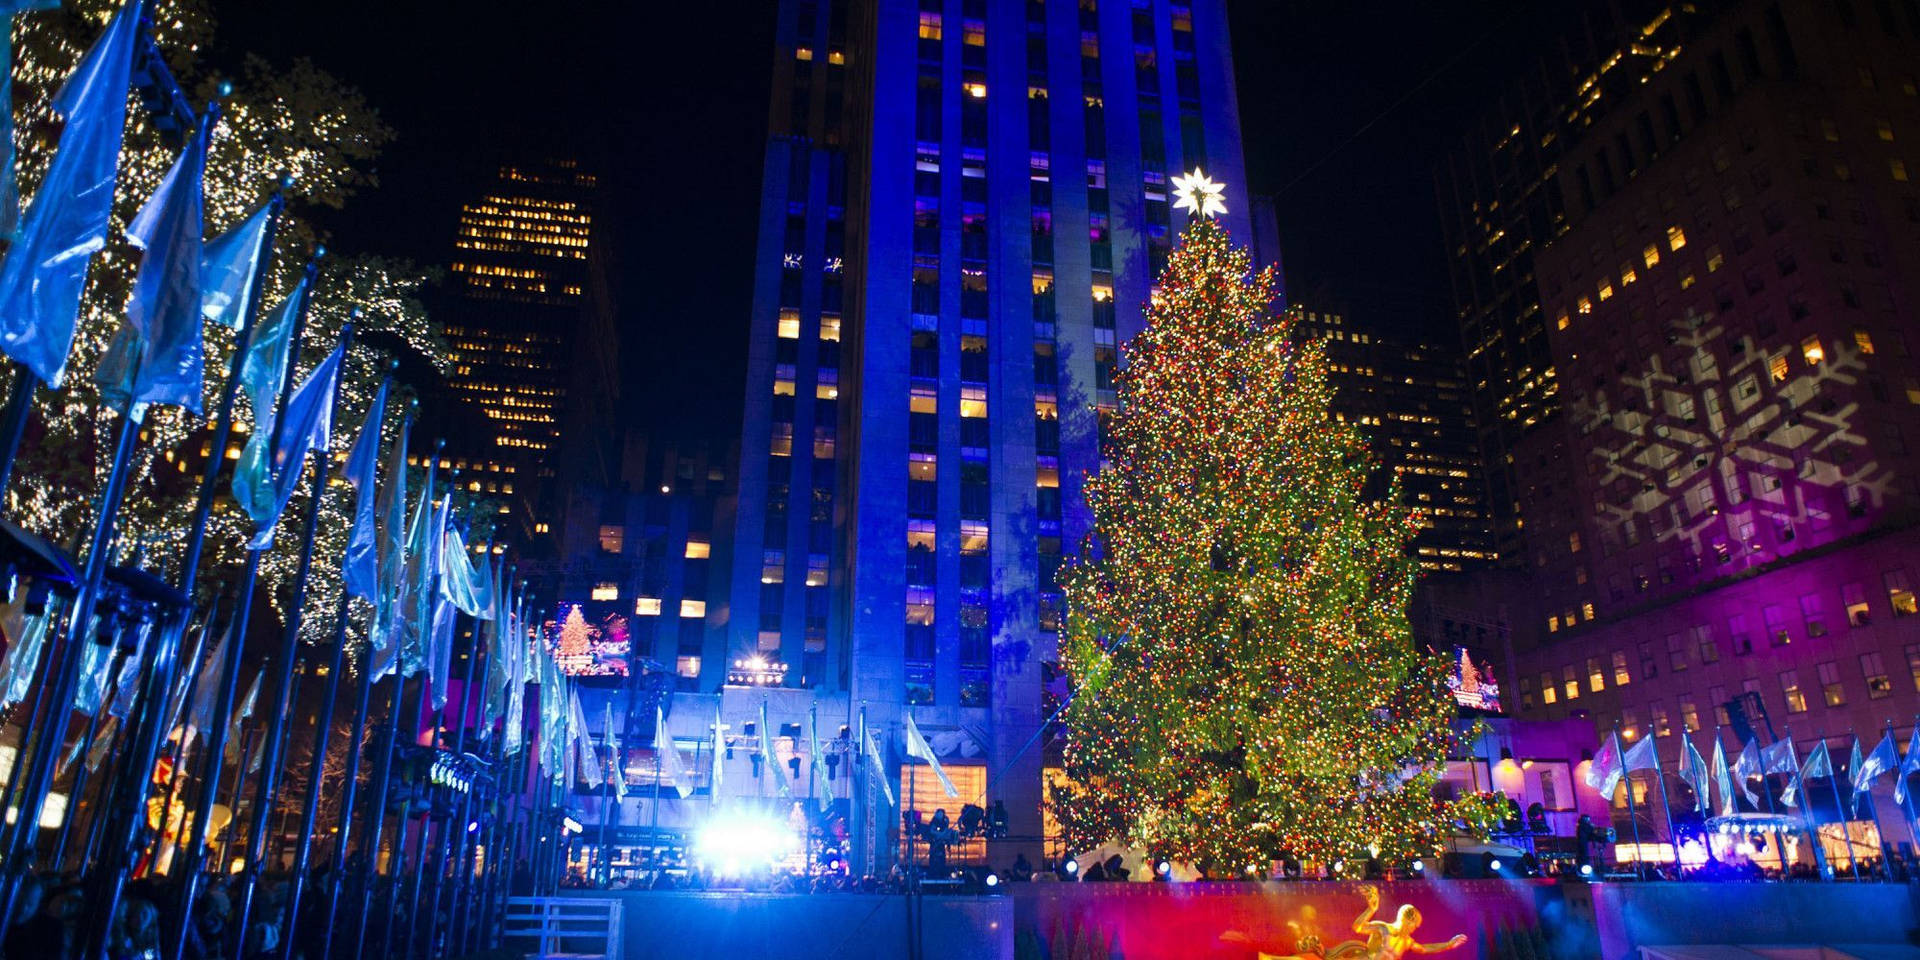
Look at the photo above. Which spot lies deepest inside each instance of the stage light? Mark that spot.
(1493, 865)
(1586, 869)
(473, 826)
(1163, 868)
(1072, 866)
(1419, 866)
(1339, 865)
(993, 880)
(734, 843)
(571, 825)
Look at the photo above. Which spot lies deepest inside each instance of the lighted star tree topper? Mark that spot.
(1245, 683)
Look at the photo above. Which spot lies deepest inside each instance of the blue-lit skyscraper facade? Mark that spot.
(965, 205)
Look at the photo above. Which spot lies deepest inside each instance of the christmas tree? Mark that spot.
(574, 648)
(1245, 685)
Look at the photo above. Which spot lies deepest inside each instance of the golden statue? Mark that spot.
(1386, 940)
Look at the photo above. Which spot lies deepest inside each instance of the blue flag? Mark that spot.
(307, 425)
(408, 623)
(360, 571)
(9, 179)
(262, 370)
(45, 270)
(389, 619)
(229, 267)
(158, 356)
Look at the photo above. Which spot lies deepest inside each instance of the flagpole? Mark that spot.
(1666, 806)
(223, 419)
(1905, 791)
(267, 789)
(1873, 812)
(66, 668)
(1633, 815)
(454, 836)
(1766, 790)
(377, 815)
(350, 787)
(316, 771)
(1845, 820)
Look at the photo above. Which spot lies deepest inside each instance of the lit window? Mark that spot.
(1831, 689)
(1627, 276)
(1854, 596)
(1570, 682)
(976, 90)
(803, 53)
(1886, 131)
(1573, 542)
(1874, 669)
(1899, 594)
(1714, 260)
(1586, 306)
(1553, 624)
(1777, 367)
(929, 26)
(613, 537)
(687, 665)
(789, 324)
(1790, 686)
(830, 327)
(606, 591)
(1811, 350)
(1606, 290)
(1898, 168)
(1651, 256)
(1862, 340)
(646, 606)
(1561, 322)
(1548, 693)
(1676, 238)
(1620, 675)
(698, 549)
(693, 609)
(1596, 677)
(1662, 724)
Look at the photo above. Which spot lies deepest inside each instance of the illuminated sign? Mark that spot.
(587, 644)
(1473, 685)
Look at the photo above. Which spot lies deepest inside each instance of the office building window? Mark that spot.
(1874, 669)
(1790, 686)
(1831, 689)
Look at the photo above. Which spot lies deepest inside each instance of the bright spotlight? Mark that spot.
(1252, 869)
(473, 826)
(1163, 868)
(1586, 869)
(1419, 866)
(993, 880)
(1493, 865)
(1339, 865)
(736, 843)
(1072, 865)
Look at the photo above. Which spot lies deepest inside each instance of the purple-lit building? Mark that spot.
(1723, 504)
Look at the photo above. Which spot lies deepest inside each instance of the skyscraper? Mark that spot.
(528, 318)
(1501, 203)
(965, 205)
(1720, 517)
(1411, 401)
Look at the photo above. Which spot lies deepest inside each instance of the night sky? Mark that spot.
(1344, 106)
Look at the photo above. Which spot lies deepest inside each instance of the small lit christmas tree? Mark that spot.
(573, 650)
(1245, 684)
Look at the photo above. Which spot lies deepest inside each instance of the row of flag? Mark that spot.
(576, 745)
(1754, 762)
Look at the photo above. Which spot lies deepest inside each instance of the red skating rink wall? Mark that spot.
(1240, 921)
